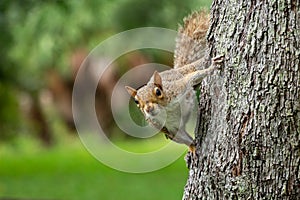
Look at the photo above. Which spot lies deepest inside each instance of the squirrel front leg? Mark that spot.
(196, 77)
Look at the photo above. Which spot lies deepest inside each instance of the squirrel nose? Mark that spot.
(149, 108)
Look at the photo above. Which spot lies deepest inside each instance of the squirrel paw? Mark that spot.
(192, 149)
(219, 59)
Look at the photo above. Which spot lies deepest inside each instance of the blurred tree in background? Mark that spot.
(44, 42)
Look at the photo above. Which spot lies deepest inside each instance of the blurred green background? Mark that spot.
(42, 46)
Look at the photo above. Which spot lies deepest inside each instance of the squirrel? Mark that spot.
(168, 99)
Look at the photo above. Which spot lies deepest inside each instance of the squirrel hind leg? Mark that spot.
(192, 149)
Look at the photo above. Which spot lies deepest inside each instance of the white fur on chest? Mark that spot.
(176, 114)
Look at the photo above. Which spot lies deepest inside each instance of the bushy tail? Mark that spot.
(191, 39)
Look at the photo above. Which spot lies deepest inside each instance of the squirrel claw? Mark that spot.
(218, 59)
(192, 149)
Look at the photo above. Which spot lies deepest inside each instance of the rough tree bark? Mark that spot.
(249, 128)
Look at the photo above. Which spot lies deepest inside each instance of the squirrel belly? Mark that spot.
(175, 116)
(178, 117)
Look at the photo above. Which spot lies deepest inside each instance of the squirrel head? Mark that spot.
(151, 97)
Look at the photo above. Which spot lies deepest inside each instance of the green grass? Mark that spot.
(68, 171)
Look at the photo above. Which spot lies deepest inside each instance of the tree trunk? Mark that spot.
(249, 125)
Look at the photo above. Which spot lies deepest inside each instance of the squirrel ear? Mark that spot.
(157, 79)
(131, 91)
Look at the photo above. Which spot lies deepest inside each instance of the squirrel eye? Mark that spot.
(136, 101)
(158, 92)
